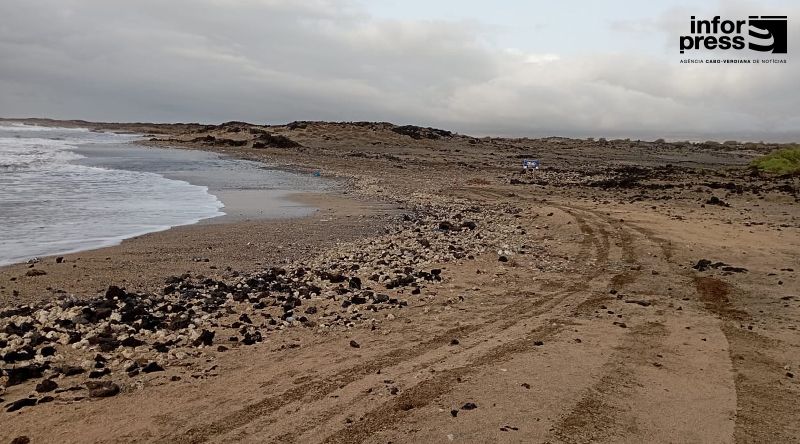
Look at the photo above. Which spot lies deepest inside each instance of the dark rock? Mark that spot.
(115, 292)
(357, 299)
(502, 259)
(206, 338)
(21, 440)
(35, 272)
(47, 385)
(102, 389)
(152, 367)
(45, 399)
(446, 226)
(354, 344)
(454, 413)
(538, 343)
(130, 341)
(71, 370)
(97, 374)
(20, 403)
(702, 265)
(714, 200)
(19, 375)
(18, 330)
(469, 406)
(454, 342)
(355, 283)
(47, 351)
(469, 225)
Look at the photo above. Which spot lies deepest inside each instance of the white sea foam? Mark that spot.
(51, 205)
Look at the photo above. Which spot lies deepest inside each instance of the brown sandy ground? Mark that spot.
(595, 329)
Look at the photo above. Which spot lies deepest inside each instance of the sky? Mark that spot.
(509, 68)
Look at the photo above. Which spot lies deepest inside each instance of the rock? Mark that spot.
(469, 225)
(45, 400)
(538, 343)
(152, 367)
(354, 344)
(454, 342)
(638, 302)
(71, 370)
(446, 226)
(131, 341)
(97, 374)
(47, 351)
(102, 389)
(206, 338)
(46, 386)
(60, 259)
(21, 403)
(19, 375)
(503, 259)
(454, 413)
(358, 300)
(469, 406)
(21, 440)
(115, 292)
(702, 265)
(714, 200)
(35, 272)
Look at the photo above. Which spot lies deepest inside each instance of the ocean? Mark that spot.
(67, 190)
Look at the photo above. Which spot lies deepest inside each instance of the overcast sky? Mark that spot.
(573, 68)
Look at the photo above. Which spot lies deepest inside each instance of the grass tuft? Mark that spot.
(785, 161)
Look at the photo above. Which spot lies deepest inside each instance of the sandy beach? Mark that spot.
(627, 291)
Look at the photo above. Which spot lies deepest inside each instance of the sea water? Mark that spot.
(53, 202)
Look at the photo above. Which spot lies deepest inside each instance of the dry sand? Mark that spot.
(601, 332)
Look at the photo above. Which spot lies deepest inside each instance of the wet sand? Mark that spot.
(241, 242)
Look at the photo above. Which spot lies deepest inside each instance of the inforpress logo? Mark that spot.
(766, 33)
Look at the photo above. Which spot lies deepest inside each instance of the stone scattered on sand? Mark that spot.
(152, 367)
(20, 403)
(47, 385)
(354, 344)
(102, 389)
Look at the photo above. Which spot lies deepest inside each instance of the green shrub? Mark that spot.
(785, 161)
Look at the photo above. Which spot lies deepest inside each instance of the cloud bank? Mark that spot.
(275, 61)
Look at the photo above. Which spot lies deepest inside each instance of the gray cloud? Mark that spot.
(279, 60)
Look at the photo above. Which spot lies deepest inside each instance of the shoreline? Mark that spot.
(245, 190)
(249, 213)
(142, 263)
